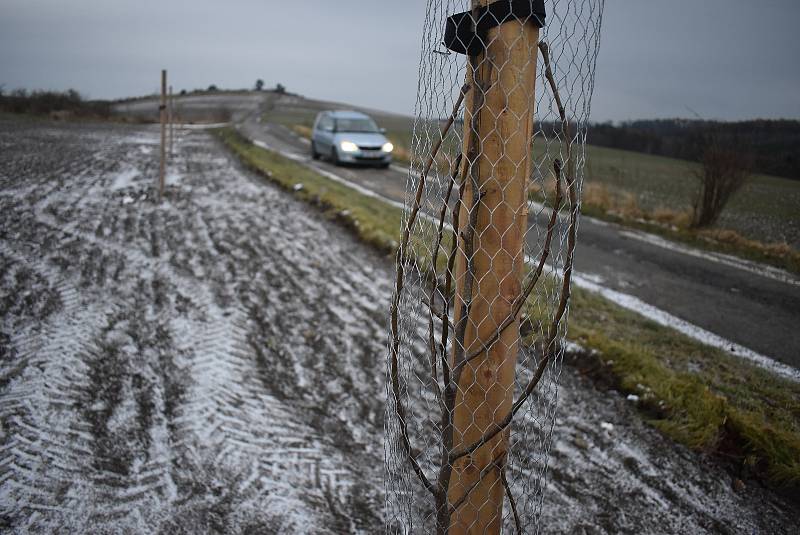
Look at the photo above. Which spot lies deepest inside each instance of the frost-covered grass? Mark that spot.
(697, 395)
(672, 226)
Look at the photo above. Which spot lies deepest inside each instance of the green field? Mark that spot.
(766, 209)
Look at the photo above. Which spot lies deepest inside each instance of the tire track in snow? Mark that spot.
(143, 401)
(46, 445)
(228, 349)
(60, 360)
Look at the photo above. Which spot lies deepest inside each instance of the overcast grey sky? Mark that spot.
(726, 59)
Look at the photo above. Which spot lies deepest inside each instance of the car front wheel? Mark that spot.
(314, 153)
(334, 156)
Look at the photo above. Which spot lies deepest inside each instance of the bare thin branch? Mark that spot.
(573, 199)
(450, 120)
(412, 217)
(442, 316)
(401, 415)
(434, 353)
(401, 253)
(504, 423)
(565, 130)
(448, 281)
(435, 313)
(511, 501)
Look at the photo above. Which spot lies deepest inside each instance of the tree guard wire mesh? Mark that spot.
(478, 316)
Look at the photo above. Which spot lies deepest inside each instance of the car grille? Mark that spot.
(370, 147)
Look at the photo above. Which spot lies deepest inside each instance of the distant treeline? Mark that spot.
(55, 103)
(773, 145)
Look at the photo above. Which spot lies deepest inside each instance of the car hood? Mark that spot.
(361, 138)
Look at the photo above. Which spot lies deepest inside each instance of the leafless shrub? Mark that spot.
(723, 171)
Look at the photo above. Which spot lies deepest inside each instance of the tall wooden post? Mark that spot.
(498, 128)
(163, 118)
(170, 112)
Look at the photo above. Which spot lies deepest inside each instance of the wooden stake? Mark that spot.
(170, 111)
(163, 118)
(498, 128)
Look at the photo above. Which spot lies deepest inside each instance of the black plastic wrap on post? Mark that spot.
(464, 35)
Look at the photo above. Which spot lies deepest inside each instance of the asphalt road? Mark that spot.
(753, 306)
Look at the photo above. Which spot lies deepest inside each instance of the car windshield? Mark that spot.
(356, 125)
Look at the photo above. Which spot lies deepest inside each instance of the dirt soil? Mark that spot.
(215, 363)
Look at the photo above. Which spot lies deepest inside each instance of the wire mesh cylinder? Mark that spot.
(480, 305)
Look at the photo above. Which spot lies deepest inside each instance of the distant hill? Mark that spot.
(773, 144)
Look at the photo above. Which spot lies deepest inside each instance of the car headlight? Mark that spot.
(387, 147)
(348, 146)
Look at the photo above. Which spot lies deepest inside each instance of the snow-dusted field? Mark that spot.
(210, 363)
(214, 363)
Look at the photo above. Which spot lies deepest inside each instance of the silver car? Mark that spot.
(350, 137)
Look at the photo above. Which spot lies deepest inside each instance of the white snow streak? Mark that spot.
(693, 331)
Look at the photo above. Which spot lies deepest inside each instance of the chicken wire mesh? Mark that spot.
(483, 269)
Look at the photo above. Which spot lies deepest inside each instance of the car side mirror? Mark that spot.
(382, 130)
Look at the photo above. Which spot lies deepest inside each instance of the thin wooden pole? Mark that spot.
(498, 128)
(171, 121)
(163, 118)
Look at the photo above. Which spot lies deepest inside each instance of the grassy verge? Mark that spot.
(699, 396)
(654, 194)
(667, 225)
(373, 221)
(624, 209)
